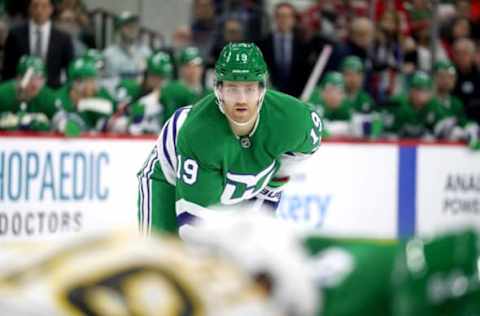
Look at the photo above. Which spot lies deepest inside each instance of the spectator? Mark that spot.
(67, 22)
(182, 37)
(285, 53)
(388, 57)
(232, 32)
(203, 25)
(249, 13)
(360, 39)
(189, 87)
(38, 37)
(82, 105)
(79, 10)
(126, 59)
(458, 27)
(25, 99)
(467, 87)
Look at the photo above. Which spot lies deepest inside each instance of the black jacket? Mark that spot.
(59, 53)
(299, 72)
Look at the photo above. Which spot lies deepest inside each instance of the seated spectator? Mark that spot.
(413, 114)
(467, 88)
(203, 25)
(454, 124)
(142, 111)
(250, 14)
(127, 57)
(83, 106)
(67, 23)
(25, 102)
(458, 27)
(39, 38)
(388, 57)
(189, 87)
(285, 52)
(359, 40)
(182, 37)
(232, 32)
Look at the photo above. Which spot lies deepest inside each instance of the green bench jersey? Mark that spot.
(404, 120)
(92, 113)
(362, 102)
(198, 162)
(342, 113)
(44, 102)
(177, 94)
(438, 277)
(128, 90)
(452, 107)
(353, 276)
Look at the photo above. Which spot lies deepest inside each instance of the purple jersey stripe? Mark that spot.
(165, 149)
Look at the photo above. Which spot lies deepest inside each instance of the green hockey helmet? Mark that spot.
(188, 55)
(160, 64)
(30, 62)
(96, 56)
(444, 64)
(241, 62)
(421, 81)
(333, 78)
(125, 18)
(352, 63)
(82, 68)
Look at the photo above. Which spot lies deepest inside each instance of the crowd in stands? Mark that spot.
(396, 69)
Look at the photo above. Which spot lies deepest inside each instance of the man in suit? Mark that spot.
(285, 53)
(39, 38)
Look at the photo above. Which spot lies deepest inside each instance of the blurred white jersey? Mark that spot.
(124, 274)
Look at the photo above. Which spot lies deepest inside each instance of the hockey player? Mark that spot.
(148, 114)
(415, 114)
(454, 124)
(125, 275)
(236, 145)
(439, 276)
(159, 70)
(356, 277)
(352, 70)
(83, 106)
(26, 102)
(189, 88)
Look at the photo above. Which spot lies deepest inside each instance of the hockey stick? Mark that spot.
(316, 73)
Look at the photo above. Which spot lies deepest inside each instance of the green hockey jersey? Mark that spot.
(44, 102)
(198, 162)
(128, 90)
(361, 102)
(90, 112)
(353, 276)
(438, 277)
(342, 113)
(452, 107)
(401, 117)
(177, 94)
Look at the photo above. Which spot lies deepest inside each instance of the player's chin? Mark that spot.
(241, 117)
